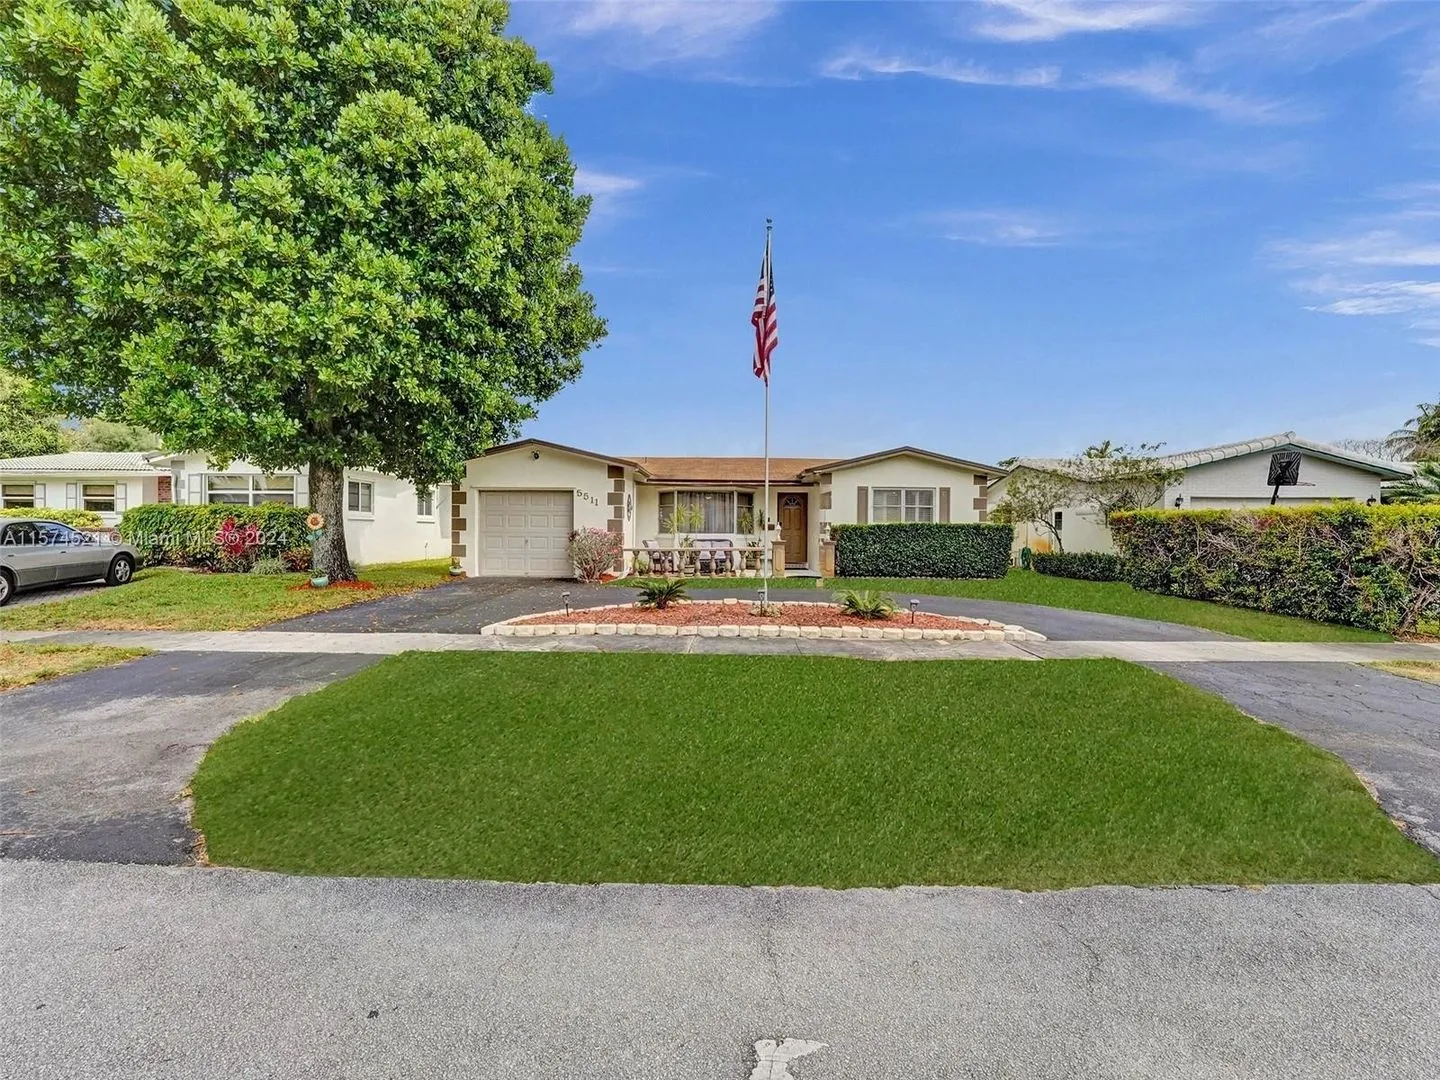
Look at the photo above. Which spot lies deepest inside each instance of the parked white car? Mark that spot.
(35, 553)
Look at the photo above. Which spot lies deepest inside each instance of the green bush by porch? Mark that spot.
(1371, 566)
(923, 549)
(786, 770)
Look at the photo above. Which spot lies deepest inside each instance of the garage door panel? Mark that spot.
(525, 533)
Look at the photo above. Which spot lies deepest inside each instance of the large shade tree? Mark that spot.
(303, 232)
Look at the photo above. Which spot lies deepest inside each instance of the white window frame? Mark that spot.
(697, 495)
(258, 488)
(424, 504)
(360, 498)
(11, 499)
(86, 498)
(904, 503)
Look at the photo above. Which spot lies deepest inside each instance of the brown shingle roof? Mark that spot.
(726, 470)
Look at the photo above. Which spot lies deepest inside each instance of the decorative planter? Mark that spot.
(319, 581)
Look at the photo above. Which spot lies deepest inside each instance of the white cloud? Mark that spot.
(1049, 20)
(858, 64)
(1378, 247)
(642, 33)
(1353, 271)
(1165, 82)
(999, 228)
(608, 191)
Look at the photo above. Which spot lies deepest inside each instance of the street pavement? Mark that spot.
(118, 972)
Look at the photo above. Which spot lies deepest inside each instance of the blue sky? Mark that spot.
(1001, 228)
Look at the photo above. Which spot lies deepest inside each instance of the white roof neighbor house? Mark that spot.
(518, 503)
(386, 519)
(1227, 476)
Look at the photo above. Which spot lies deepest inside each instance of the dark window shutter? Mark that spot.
(944, 504)
(862, 505)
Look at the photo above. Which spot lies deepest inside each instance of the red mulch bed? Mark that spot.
(712, 614)
(363, 586)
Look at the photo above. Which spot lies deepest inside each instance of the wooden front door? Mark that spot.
(794, 517)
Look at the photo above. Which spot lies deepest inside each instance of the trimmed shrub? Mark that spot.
(166, 534)
(76, 519)
(269, 566)
(595, 551)
(1371, 566)
(923, 549)
(1084, 565)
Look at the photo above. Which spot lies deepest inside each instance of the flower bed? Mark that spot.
(736, 618)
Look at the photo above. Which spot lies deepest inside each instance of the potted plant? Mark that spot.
(456, 570)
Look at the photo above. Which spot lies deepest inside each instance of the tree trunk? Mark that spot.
(327, 498)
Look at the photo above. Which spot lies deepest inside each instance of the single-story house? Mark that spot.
(386, 519)
(107, 483)
(518, 503)
(1226, 477)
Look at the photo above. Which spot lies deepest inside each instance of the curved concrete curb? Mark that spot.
(992, 630)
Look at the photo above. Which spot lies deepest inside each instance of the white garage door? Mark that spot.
(525, 533)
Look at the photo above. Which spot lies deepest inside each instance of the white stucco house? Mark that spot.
(518, 503)
(386, 519)
(1225, 477)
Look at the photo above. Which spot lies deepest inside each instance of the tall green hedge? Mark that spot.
(76, 519)
(1371, 566)
(928, 549)
(166, 534)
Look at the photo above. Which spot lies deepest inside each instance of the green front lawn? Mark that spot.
(1105, 597)
(785, 770)
(165, 599)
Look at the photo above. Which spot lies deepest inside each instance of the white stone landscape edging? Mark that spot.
(993, 631)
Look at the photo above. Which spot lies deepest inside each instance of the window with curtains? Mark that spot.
(424, 504)
(249, 489)
(17, 495)
(100, 497)
(902, 504)
(706, 511)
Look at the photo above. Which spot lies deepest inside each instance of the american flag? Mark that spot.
(762, 317)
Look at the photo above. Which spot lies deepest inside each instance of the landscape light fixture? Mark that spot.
(566, 597)
(914, 607)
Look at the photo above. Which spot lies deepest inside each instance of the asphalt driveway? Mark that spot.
(91, 765)
(466, 606)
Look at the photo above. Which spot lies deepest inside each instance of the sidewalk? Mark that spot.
(387, 644)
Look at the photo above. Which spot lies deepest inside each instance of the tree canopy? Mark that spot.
(27, 425)
(294, 231)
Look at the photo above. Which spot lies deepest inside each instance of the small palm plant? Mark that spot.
(660, 593)
(866, 604)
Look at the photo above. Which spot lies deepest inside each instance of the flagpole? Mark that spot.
(766, 566)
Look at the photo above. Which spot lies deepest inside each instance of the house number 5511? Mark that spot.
(591, 499)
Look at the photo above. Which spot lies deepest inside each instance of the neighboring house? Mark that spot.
(386, 519)
(518, 503)
(1225, 477)
(107, 483)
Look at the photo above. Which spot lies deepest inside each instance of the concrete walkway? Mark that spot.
(121, 972)
(380, 643)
